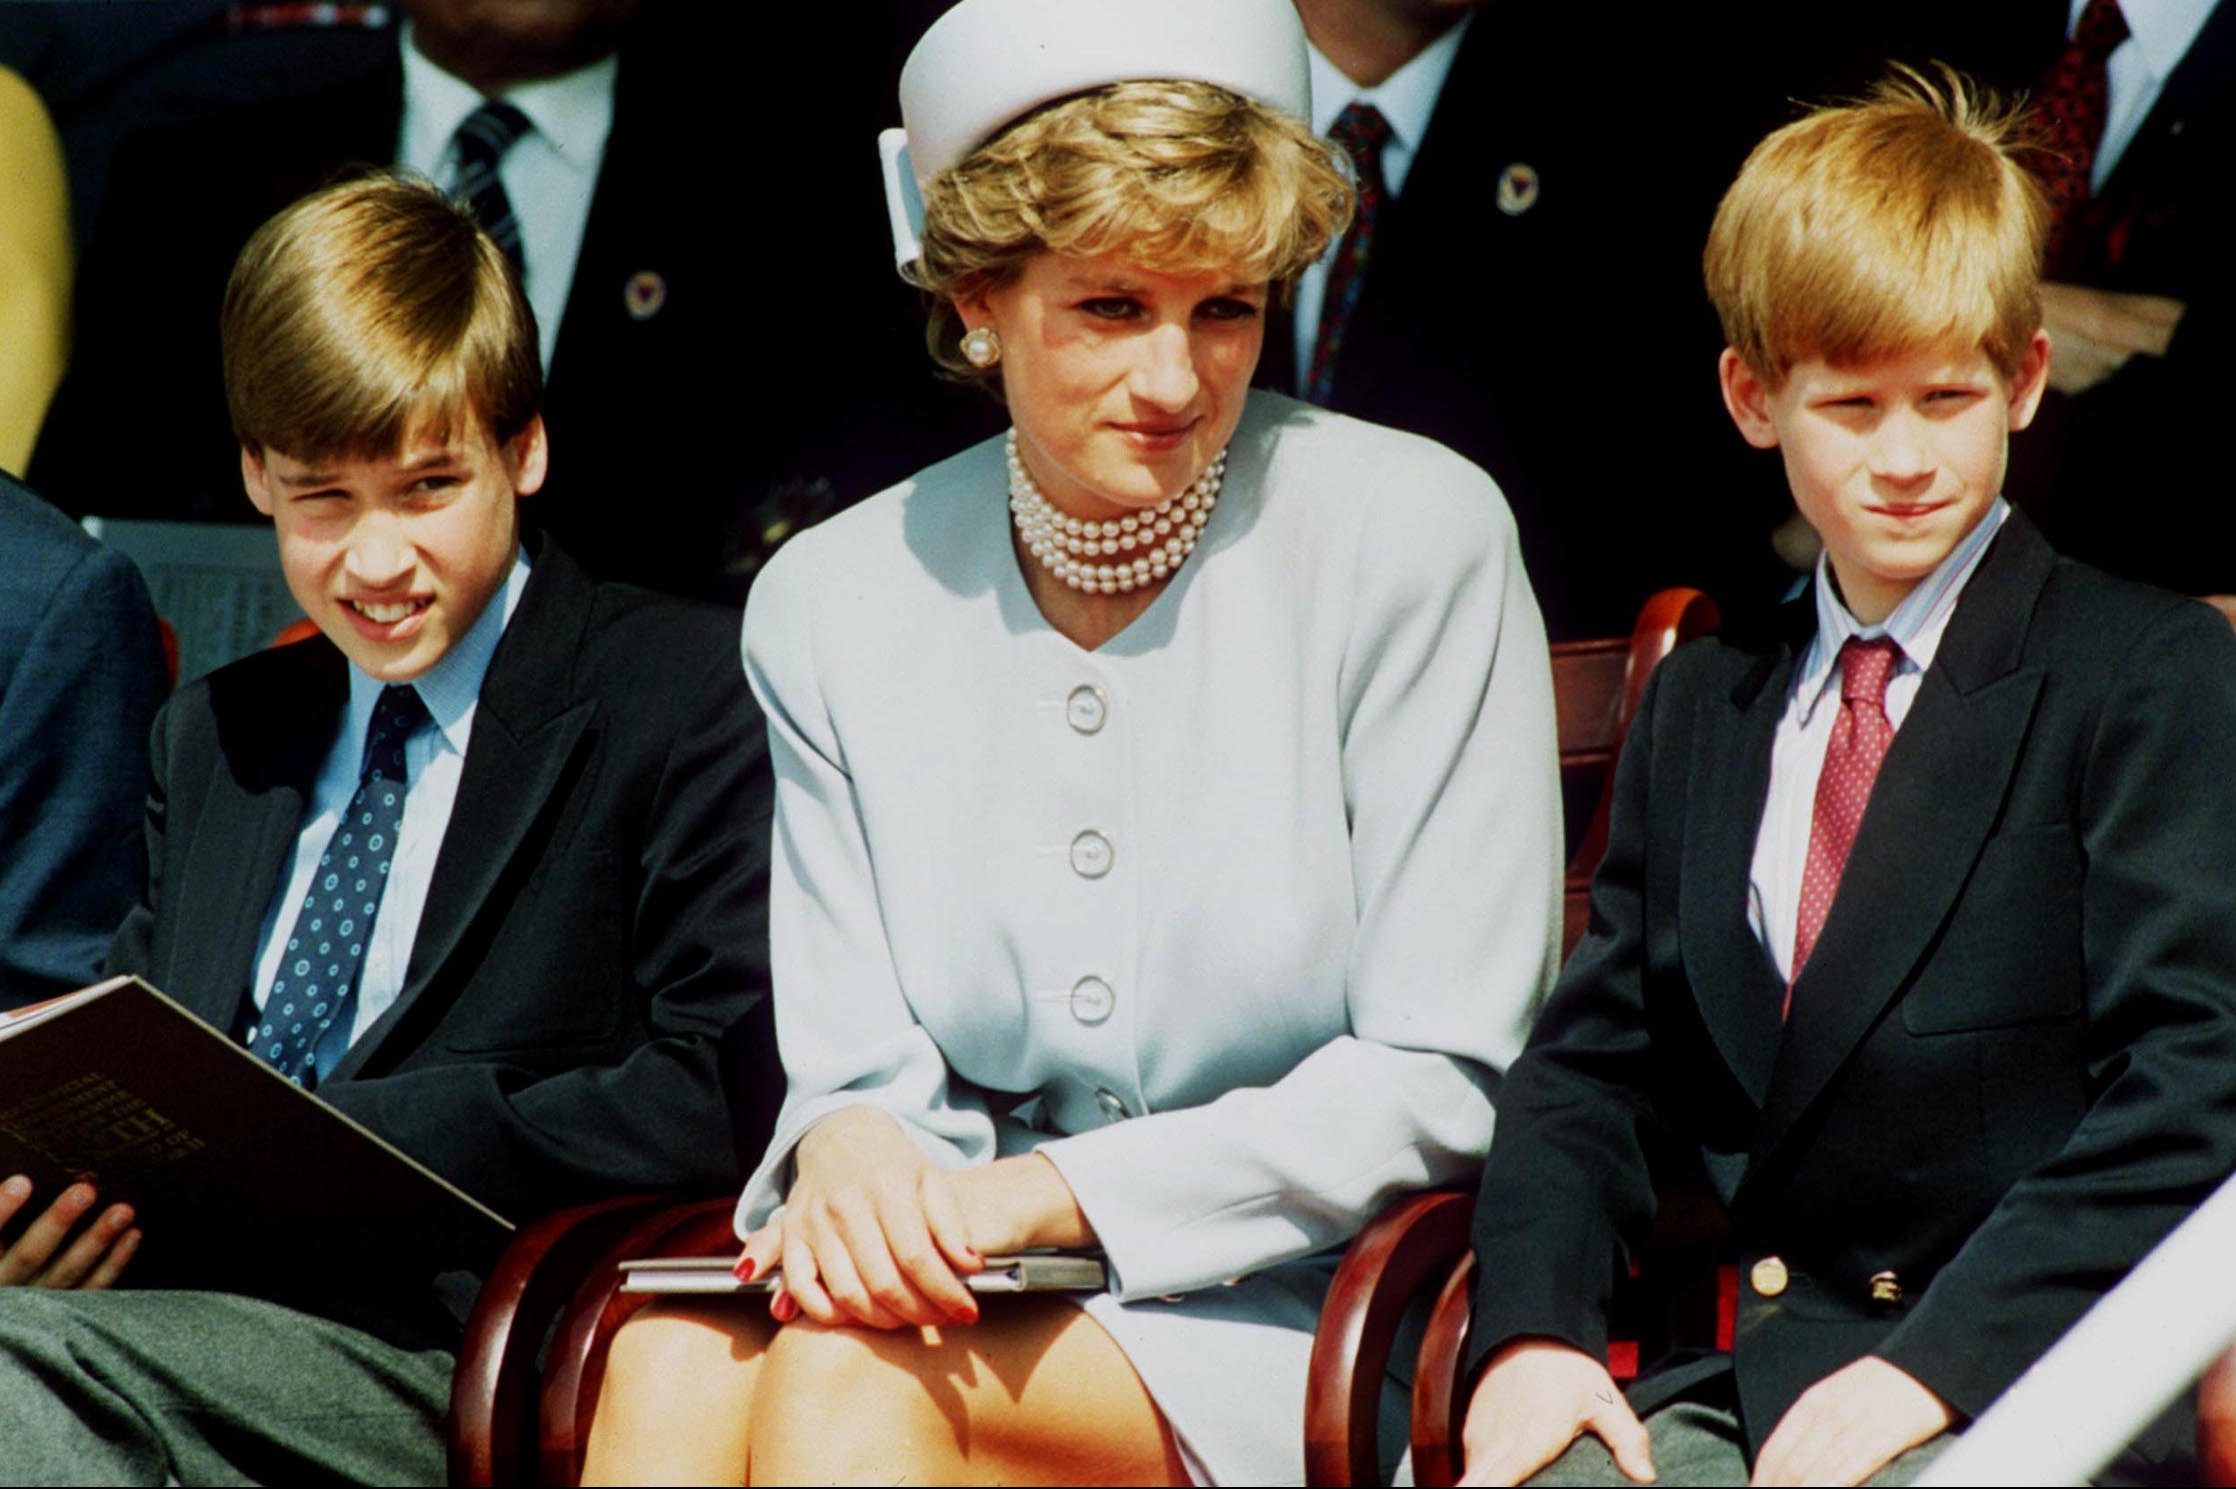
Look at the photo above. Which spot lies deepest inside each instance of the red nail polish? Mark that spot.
(784, 1309)
(745, 1269)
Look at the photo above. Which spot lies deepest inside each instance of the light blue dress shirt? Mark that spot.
(436, 756)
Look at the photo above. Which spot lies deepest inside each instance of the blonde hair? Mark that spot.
(1883, 227)
(371, 311)
(1180, 177)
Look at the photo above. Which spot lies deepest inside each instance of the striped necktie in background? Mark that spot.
(481, 142)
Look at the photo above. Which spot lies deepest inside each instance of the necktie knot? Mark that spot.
(1362, 132)
(1865, 667)
(2102, 27)
(397, 715)
(489, 131)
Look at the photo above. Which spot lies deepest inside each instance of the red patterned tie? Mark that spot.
(2073, 101)
(1859, 742)
(1362, 132)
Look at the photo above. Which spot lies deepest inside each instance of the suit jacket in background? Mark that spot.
(81, 675)
(736, 356)
(1568, 348)
(585, 1007)
(2011, 1060)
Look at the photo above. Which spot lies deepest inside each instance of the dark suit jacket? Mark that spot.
(782, 372)
(2011, 1062)
(1568, 349)
(585, 1010)
(81, 674)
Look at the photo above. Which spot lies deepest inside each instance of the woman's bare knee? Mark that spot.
(844, 1404)
(678, 1391)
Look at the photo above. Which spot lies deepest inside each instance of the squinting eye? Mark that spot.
(1224, 309)
(1108, 308)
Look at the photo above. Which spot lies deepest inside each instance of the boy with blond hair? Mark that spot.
(483, 865)
(1913, 926)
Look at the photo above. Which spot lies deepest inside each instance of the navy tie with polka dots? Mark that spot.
(317, 983)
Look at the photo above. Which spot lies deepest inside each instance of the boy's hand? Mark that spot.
(1849, 1425)
(93, 1260)
(2094, 332)
(1535, 1398)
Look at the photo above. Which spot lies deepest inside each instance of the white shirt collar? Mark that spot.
(451, 688)
(573, 112)
(2162, 29)
(1915, 626)
(1407, 97)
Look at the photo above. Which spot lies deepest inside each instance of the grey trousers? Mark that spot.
(1695, 1443)
(207, 1388)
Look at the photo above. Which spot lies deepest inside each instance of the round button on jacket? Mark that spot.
(1091, 855)
(1092, 1000)
(1112, 1107)
(1769, 1276)
(1086, 710)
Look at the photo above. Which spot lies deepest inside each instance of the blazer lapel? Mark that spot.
(527, 726)
(1939, 792)
(1732, 979)
(249, 820)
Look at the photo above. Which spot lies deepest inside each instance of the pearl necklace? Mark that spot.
(1067, 547)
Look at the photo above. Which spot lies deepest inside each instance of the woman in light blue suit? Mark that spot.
(1167, 859)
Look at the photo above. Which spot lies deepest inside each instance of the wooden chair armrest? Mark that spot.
(1412, 1241)
(575, 1364)
(1439, 1405)
(2216, 1422)
(495, 1382)
(1668, 619)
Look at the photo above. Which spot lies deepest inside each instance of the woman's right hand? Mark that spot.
(871, 1233)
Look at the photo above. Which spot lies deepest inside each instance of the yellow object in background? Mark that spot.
(35, 268)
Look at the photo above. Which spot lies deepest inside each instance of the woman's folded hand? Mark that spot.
(872, 1233)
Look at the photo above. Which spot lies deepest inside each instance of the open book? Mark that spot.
(1027, 1272)
(223, 1157)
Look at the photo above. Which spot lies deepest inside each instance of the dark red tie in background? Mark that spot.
(1860, 737)
(2072, 103)
(1362, 132)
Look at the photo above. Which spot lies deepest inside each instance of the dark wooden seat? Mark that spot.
(1418, 1242)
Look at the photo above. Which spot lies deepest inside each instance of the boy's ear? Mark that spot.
(258, 484)
(1747, 399)
(2030, 380)
(528, 453)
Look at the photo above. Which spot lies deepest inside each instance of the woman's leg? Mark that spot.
(1036, 1392)
(678, 1394)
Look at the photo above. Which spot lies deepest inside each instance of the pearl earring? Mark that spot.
(982, 348)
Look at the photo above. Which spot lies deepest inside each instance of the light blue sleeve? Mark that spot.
(844, 1027)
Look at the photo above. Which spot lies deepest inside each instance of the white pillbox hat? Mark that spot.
(988, 62)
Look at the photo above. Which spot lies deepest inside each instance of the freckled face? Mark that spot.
(1124, 383)
(1892, 461)
(395, 559)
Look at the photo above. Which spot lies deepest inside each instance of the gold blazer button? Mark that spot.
(1886, 1288)
(1769, 1276)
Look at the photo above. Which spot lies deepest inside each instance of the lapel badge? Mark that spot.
(1517, 188)
(644, 294)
